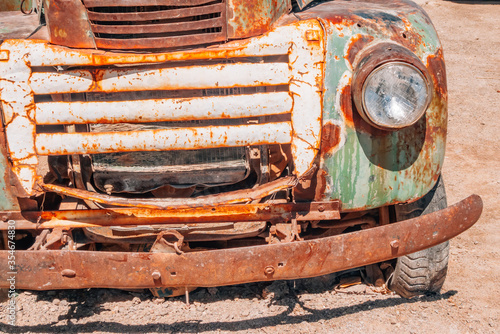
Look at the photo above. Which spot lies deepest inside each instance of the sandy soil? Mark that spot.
(469, 302)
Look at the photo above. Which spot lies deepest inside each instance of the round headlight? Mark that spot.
(395, 95)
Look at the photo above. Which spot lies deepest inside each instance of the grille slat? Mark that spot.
(156, 24)
(159, 42)
(134, 3)
(157, 28)
(157, 14)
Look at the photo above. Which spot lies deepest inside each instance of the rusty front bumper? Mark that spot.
(47, 270)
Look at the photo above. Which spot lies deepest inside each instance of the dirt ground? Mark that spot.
(469, 302)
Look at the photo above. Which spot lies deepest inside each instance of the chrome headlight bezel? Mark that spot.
(376, 58)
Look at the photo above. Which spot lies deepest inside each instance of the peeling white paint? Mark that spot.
(303, 73)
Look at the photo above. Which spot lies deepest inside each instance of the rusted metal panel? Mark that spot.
(158, 42)
(49, 270)
(133, 3)
(68, 24)
(246, 18)
(164, 139)
(163, 110)
(157, 15)
(207, 214)
(156, 28)
(194, 22)
(368, 167)
(137, 79)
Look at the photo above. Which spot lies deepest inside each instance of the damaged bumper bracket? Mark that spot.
(48, 270)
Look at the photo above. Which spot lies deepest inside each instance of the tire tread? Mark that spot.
(423, 271)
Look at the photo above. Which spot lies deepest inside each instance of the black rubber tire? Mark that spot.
(424, 271)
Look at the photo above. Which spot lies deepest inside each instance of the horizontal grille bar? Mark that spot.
(158, 28)
(164, 139)
(157, 15)
(164, 110)
(135, 3)
(46, 55)
(159, 42)
(190, 77)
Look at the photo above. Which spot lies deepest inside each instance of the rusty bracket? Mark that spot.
(161, 241)
(278, 212)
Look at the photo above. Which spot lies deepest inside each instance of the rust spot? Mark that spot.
(330, 137)
(68, 24)
(435, 64)
(313, 188)
(346, 105)
(248, 18)
(358, 42)
(352, 118)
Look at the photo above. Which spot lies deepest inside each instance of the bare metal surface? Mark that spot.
(49, 270)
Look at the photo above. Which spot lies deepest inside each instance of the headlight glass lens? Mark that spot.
(395, 95)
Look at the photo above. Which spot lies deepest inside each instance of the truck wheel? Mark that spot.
(424, 271)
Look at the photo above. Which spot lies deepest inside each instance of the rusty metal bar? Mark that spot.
(163, 139)
(203, 215)
(208, 214)
(157, 15)
(135, 3)
(189, 77)
(160, 42)
(44, 54)
(232, 197)
(49, 270)
(158, 27)
(164, 110)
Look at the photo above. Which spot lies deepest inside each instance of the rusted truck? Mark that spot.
(172, 144)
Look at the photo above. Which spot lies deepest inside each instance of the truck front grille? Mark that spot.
(265, 90)
(156, 24)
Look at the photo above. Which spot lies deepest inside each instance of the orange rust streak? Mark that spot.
(330, 137)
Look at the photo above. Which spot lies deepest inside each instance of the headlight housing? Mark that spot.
(391, 87)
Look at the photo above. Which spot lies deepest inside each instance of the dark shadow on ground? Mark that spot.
(80, 311)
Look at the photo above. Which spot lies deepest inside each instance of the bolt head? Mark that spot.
(395, 244)
(156, 275)
(269, 270)
(69, 273)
